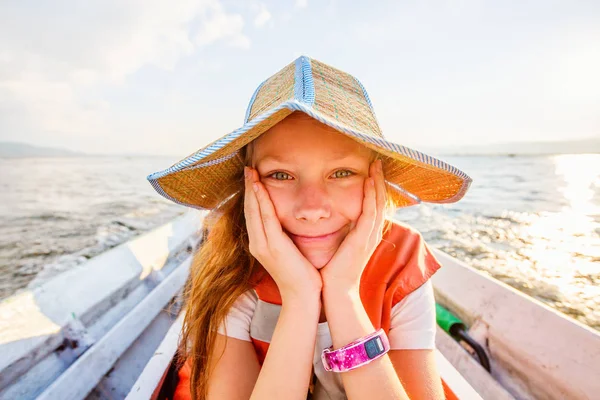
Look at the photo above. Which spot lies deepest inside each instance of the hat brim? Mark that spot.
(207, 177)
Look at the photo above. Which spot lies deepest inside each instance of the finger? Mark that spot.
(373, 174)
(267, 211)
(381, 198)
(252, 213)
(380, 186)
(366, 221)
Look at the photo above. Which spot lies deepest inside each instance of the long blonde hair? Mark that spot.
(222, 270)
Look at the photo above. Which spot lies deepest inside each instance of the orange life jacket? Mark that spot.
(399, 265)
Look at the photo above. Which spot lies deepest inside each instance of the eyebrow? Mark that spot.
(337, 156)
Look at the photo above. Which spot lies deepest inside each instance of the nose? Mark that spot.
(313, 203)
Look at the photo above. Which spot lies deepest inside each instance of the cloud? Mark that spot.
(301, 3)
(263, 16)
(221, 25)
(56, 58)
(56, 106)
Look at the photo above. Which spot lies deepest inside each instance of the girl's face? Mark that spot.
(315, 178)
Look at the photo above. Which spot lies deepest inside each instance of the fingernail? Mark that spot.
(255, 187)
(379, 165)
(371, 182)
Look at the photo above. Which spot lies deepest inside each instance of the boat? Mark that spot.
(109, 328)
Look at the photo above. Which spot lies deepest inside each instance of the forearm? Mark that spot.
(287, 368)
(349, 321)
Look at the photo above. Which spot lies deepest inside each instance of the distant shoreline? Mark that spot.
(10, 150)
(509, 154)
(19, 150)
(3, 157)
(176, 158)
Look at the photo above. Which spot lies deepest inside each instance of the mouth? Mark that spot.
(312, 239)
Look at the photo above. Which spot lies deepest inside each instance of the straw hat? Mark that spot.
(333, 97)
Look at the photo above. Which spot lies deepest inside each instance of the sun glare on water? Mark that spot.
(565, 245)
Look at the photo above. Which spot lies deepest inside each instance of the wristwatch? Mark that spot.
(356, 354)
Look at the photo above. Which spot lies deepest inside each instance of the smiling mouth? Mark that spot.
(302, 238)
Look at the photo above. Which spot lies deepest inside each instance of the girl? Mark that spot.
(303, 286)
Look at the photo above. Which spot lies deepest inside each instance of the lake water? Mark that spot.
(532, 222)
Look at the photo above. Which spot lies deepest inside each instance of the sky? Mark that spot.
(167, 78)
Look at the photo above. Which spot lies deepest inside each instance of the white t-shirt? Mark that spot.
(412, 326)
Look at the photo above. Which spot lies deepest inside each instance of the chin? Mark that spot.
(319, 260)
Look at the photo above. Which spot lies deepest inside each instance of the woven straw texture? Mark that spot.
(213, 173)
(276, 90)
(339, 97)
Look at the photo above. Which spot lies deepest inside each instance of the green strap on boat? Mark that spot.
(445, 319)
(458, 330)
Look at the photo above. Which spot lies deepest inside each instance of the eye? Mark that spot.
(280, 176)
(284, 176)
(342, 173)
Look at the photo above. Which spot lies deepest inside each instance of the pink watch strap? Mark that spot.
(356, 354)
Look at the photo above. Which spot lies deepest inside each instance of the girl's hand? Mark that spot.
(294, 275)
(345, 268)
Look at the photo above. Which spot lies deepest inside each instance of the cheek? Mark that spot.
(349, 202)
(280, 199)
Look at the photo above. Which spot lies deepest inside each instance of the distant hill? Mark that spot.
(17, 150)
(591, 145)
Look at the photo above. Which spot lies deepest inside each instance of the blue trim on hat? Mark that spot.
(218, 144)
(367, 99)
(300, 106)
(404, 192)
(154, 182)
(298, 80)
(365, 94)
(160, 191)
(252, 101)
(213, 162)
(304, 86)
(405, 151)
(309, 84)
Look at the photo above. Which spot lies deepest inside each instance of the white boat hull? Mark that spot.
(108, 329)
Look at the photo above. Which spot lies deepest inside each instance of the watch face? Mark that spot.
(374, 347)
